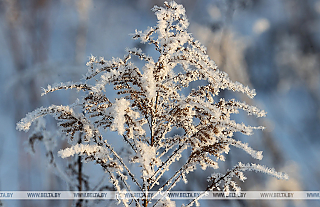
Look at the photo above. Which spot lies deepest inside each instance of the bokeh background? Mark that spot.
(270, 45)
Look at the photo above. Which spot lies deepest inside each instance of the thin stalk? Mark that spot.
(80, 201)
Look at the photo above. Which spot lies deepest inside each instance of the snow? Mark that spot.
(118, 111)
(81, 149)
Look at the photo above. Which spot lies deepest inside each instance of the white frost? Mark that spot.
(118, 111)
(81, 149)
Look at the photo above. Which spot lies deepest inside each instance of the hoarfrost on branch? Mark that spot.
(151, 104)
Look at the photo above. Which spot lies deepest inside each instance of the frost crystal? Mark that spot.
(118, 111)
(150, 104)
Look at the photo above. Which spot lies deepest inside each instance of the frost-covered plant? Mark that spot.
(150, 104)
